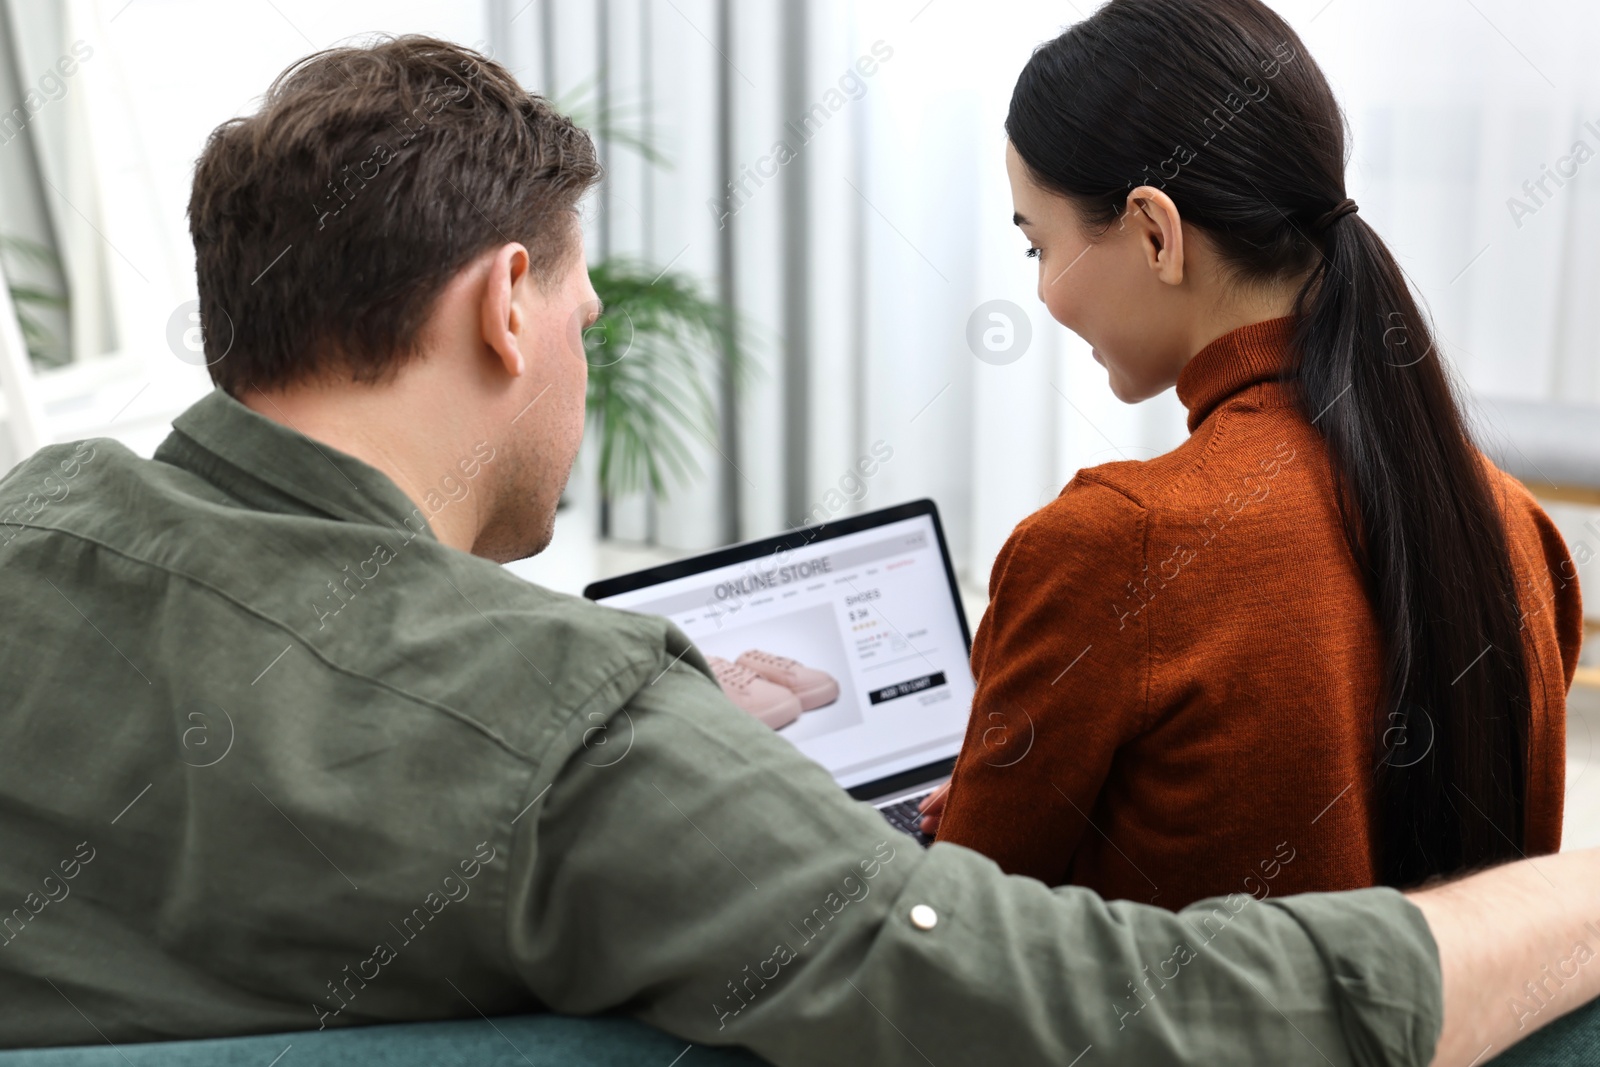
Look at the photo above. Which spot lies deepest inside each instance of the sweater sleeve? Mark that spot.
(1552, 624)
(1062, 666)
(1548, 575)
(1566, 600)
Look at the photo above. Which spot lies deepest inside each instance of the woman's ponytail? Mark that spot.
(1423, 523)
(1217, 102)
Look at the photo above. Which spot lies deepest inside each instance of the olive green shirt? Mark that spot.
(273, 758)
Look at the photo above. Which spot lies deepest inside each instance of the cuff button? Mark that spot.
(924, 917)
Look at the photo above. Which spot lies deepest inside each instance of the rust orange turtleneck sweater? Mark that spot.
(1179, 668)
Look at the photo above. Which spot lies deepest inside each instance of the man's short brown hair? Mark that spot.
(326, 224)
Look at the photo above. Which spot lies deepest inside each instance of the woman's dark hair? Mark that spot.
(1217, 103)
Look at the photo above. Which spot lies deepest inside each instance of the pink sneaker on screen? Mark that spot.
(754, 695)
(814, 688)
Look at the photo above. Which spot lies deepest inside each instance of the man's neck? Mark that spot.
(389, 428)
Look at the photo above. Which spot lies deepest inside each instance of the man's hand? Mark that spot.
(932, 809)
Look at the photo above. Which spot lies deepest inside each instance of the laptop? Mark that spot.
(862, 618)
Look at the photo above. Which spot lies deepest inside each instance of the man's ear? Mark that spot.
(1159, 229)
(502, 318)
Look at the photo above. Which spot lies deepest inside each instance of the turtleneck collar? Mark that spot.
(1233, 362)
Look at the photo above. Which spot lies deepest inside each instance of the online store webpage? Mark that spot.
(872, 611)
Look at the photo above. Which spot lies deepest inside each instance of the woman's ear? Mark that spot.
(1157, 226)
(502, 319)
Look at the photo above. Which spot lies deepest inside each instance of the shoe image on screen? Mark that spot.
(754, 695)
(847, 638)
(816, 689)
(800, 651)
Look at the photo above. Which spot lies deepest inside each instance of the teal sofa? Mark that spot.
(562, 1041)
(565, 1042)
(516, 1041)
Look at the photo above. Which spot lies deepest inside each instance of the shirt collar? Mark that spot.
(275, 468)
(1233, 362)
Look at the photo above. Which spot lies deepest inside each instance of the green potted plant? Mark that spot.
(655, 354)
(653, 351)
(44, 348)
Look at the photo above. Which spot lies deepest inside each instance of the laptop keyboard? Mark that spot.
(903, 816)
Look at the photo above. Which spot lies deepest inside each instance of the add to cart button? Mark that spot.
(904, 689)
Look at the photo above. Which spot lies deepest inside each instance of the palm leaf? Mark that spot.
(655, 354)
(40, 254)
(42, 344)
(29, 294)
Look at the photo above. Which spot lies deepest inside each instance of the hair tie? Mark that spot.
(1339, 211)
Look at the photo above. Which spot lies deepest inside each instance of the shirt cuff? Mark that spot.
(1383, 964)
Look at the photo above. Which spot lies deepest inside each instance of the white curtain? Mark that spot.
(857, 265)
(1460, 111)
(1452, 107)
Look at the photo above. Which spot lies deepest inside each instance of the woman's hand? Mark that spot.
(932, 809)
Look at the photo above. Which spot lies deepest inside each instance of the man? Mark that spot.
(284, 747)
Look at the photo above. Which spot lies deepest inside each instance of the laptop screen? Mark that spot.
(870, 602)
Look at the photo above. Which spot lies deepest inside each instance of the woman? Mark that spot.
(1322, 644)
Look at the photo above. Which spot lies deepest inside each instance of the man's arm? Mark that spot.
(688, 866)
(1519, 946)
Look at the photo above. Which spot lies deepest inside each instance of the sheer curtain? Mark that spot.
(1473, 133)
(1473, 140)
(855, 151)
(836, 170)
(905, 238)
